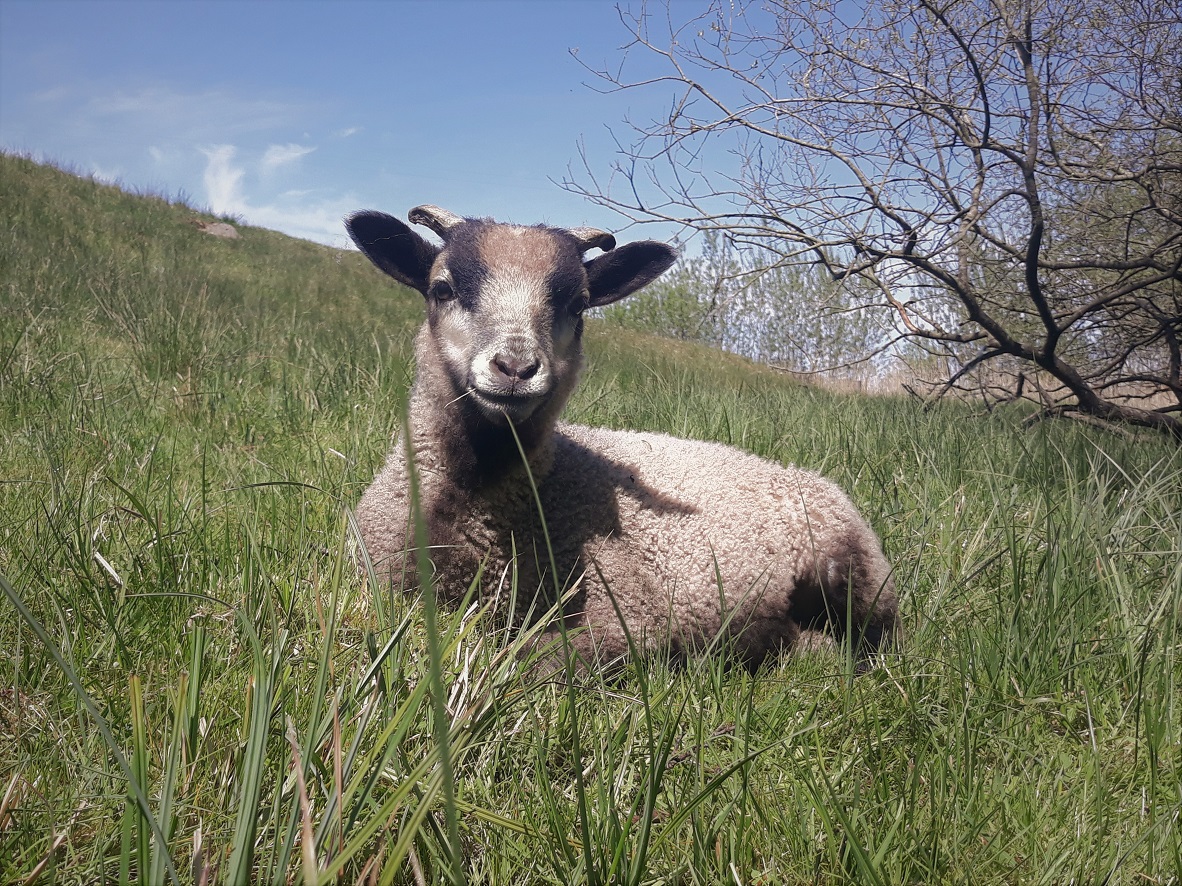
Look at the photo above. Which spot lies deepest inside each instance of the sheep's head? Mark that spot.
(505, 302)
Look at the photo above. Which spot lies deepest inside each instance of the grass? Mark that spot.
(196, 685)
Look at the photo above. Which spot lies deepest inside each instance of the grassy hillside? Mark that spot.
(194, 681)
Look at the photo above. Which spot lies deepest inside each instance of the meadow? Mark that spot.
(197, 685)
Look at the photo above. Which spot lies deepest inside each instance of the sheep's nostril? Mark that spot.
(516, 368)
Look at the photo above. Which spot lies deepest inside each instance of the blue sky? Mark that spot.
(292, 114)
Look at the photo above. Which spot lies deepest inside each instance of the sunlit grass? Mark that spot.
(196, 681)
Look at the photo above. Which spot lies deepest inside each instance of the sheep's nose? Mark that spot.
(515, 367)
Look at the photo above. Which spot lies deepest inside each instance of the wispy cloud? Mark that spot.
(223, 180)
(281, 155)
(236, 151)
(298, 213)
(174, 114)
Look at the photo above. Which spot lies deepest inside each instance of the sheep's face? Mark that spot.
(505, 302)
(505, 308)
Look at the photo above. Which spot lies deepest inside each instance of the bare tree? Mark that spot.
(1007, 174)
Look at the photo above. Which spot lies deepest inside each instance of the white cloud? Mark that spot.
(297, 213)
(281, 155)
(320, 221)
(345, 133)
(237, 152)
(223, 180)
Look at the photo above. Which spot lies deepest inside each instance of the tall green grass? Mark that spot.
(197, 686)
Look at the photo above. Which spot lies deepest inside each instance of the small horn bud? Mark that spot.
(590, 238)
(438, 220)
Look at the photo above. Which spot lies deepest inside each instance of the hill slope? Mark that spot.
(194, 678)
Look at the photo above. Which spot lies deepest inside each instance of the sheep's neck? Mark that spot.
(465, 449)
(472, 453)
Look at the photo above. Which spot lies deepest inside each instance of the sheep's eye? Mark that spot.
(441, 291)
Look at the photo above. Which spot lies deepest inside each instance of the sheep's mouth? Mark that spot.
(498, 405)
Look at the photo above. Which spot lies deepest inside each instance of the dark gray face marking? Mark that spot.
(567, 280)
(465, 266)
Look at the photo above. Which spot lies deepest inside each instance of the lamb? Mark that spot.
(668, 544)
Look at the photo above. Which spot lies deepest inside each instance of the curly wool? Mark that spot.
(650, 527)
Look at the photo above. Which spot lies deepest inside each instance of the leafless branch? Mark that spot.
(1005, 175)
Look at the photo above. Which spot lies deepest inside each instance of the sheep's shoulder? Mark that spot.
(381, 514)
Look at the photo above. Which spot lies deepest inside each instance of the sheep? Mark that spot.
(667, 545)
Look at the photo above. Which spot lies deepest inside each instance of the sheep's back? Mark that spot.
(692, 512)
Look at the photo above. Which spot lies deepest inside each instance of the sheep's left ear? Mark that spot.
(619, 273)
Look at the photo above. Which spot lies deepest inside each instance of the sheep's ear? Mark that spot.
(626, 269)
(393, 247)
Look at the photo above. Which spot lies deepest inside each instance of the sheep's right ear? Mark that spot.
(393, 247)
